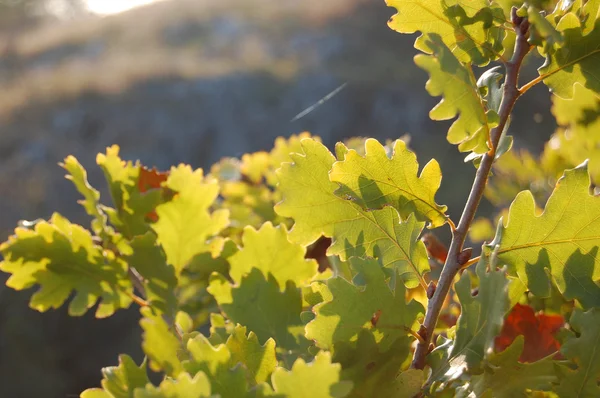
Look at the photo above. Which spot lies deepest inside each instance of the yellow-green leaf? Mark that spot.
(312, 380)
(376, 180)
(309, 198)
(575, 61)
(562, 241)
(185, 223)
(471, 29)
(455, 81)
(61, 257)
(183, 386)
(270, 251)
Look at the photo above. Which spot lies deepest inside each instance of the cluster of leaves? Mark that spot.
(305, 269)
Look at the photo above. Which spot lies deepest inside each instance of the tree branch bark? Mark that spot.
(452, 264)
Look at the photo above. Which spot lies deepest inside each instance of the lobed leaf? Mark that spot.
(376, 180)
(538, 331)
(575, 61)
(258, 303)
(505, 377)
(375, 371)
(62, 257)
(184, 386)
(158, 277)
(215, 362)
(160, 344)
(455, 81)
(309, 198)
(471, 29)
(120, 381)
(258, 360)
(351, 308)
(317, 379)
(185, 223)
(132, 204)
(562, 241)
(479, 322)
(584, 351)
(269, 250)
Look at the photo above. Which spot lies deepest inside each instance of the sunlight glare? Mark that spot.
(107, 7)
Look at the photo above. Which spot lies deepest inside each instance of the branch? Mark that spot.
(452, 265)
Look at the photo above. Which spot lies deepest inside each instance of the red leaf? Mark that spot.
(435, 247)
(538, 330)
(151, 179)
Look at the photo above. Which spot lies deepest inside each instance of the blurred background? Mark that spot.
(189, 81)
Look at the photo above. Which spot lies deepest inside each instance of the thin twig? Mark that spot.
(452, 266)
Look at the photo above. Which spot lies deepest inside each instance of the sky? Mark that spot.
(107, 7)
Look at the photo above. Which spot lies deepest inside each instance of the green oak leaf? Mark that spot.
(158, 277)
(456, 82)
(183, 387)
(269, 250)
(584, 351)
(505, 377)
(479, 323)
(575, 61)
(318, 379)
(471, 29)
(111, 239)
(351, 309)
(121, 381)
(258, 303)
(562, 241)
(160, 344)
(375, 372)
(376, 180)
(62, 257)
(258, 360)
(78, 175)
(226, 379)
(131, 205)
(185, 223)
(309, 198)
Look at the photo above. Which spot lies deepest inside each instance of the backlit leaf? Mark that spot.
(309, 380)
(121, 381)
(309, 198)
(132, 206)
(185, 223)
(538, 331)
(270, 251)
(160, 344)
(351, 309)
(183, 387)
(258, 303)
(471, 29)
(375, 180)
(215, 362)
(584, 351)
(455, 81)
(562, 241)
(258, 360)
(505, 377)
(576, 61)
(61, 257)
(158, 277)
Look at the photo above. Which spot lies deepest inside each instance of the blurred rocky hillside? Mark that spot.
(192, 81)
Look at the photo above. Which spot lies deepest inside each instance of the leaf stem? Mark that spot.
(532, 83)
(452, 265)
